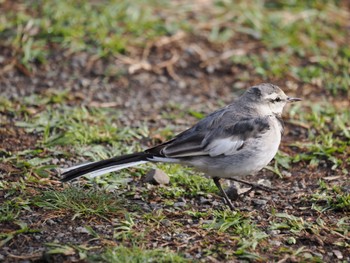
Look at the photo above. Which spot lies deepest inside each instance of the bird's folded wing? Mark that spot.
(223, 139)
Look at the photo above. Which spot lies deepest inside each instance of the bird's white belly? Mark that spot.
(248, 165)
(254, 156)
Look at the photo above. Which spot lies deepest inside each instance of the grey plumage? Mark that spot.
(232, 142)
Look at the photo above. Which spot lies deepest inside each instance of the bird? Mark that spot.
(235, 141)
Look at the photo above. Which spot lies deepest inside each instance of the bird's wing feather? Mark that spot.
(217, 135)
(225, 146)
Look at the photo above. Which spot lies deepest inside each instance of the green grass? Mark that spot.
(62, 125)
(137, 255)
(329, 137)
(8, 211)
(329, 197)
(81, 202)
(299, 44)
(241, 229)
(295, 229)
(116, 254)
(289, 222)
(99, 27)
(95, 133)
(185, 182)
(8, 236)
(16, 201)
(306, 41)
(79, 125)
(330, 72)
(300, 29)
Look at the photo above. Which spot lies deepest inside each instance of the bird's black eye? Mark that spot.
(278, 99)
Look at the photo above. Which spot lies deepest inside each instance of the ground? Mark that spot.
(96, 79)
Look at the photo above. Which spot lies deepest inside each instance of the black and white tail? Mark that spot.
(105, 166)
(155, 154)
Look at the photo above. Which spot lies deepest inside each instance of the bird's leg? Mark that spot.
(228, 201)
(253, 185)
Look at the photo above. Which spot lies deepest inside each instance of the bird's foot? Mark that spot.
(234, 195)
(262, 187)
(227, 199)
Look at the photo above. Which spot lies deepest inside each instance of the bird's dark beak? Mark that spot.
(293, 99)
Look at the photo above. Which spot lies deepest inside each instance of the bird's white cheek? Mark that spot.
(277, 108)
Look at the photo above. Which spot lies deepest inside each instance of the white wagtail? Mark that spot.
(235, 141)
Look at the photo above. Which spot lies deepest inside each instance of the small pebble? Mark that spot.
(82, 230)
(166, 222)
(204, 200)
(265, 182)
(276, 243)
(166, 237)
(163, 79)
(338, 254)
(286, 174)
(60, 235)
(182, 84)
(215, 203)
(50, 222)
(275, 232)
(179, 204)
(55, 161)
(156, 176)
(259, 202)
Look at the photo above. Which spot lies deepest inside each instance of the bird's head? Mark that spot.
(268, 98)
